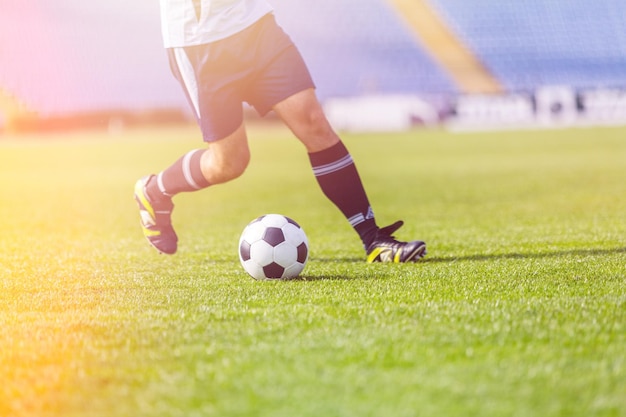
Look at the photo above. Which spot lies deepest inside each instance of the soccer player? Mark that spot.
(224, 53)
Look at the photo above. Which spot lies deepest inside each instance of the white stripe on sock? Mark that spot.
(356, 219)
(333, 166)
(160, 184)
(187, 169)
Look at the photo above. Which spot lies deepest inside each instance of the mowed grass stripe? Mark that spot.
(517, 310)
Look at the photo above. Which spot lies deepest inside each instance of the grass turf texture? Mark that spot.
(518, 310)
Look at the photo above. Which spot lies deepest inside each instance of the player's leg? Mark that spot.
(227, 158)
(303, 114)
(338, 178)
(224, 160)
(213, 96)
(331, 162)
(283, 83)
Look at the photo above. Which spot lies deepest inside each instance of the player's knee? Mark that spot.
(237, 167)
(316, 120)
(317, 133)
(233, 168)
(316, 126)
(218, 169)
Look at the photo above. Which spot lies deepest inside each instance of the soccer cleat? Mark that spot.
(384, 248)
(156, 219)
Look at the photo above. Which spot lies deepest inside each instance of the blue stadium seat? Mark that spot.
(80, 57)
(531, 43)
(356, 47)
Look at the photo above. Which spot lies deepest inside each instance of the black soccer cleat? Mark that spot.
(385, 248)
(156, 219)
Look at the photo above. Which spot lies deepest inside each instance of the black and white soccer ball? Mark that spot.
(273, 246)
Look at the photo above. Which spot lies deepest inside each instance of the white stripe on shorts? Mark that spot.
(189, 78)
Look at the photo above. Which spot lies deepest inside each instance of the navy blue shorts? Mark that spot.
(259, 65)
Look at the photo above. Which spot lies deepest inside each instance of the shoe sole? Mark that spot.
(383, 256)
(417, 254)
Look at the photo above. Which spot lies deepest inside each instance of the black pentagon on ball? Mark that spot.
(292, 221)
(244, 250)
(273, 270)
(273, 236)
(303, 251)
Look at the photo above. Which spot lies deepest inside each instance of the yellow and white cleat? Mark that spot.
(156, 219)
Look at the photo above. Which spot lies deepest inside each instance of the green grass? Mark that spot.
(518, 310)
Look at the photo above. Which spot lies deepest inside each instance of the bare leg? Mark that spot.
(304, 115)
(332, 164)
(226, 159)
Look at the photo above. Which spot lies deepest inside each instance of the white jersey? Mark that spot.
(195, 22)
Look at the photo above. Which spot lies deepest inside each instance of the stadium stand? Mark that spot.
(470, 75)
(78, 56)
(357, 47)
(531, 43)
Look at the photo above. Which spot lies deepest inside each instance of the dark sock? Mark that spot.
(339, 179)
(184, 175)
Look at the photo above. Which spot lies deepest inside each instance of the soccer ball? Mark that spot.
(273, 247)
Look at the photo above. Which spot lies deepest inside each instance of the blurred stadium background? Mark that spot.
(379, 64)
